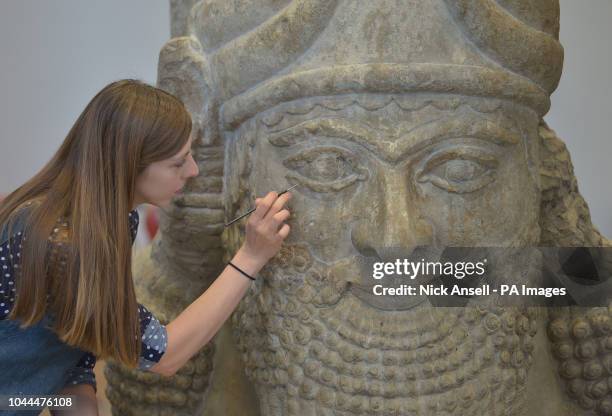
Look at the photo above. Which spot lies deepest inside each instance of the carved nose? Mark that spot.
(391, 220)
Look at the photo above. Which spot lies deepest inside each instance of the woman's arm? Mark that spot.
(196, 325)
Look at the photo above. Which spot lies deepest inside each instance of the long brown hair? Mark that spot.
(89, 184)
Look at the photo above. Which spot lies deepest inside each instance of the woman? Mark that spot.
(66, 290)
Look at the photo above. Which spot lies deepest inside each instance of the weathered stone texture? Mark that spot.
(405, 124)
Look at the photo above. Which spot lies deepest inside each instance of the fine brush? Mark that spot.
(253, 210)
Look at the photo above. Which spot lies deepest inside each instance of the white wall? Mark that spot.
(55, 55)
(581, 112)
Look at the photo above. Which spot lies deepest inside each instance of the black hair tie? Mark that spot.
(241, 271)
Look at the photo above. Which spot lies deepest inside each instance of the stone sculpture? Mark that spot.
(405, 124)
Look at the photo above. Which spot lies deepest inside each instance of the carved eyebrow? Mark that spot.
(396, 148)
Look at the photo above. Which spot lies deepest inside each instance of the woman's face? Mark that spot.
(163, 180)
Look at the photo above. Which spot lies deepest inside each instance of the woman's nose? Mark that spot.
(193, 169)
(390, 219)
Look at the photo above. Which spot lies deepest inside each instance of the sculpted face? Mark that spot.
(382, 174)
(370, 179)
(377, 176)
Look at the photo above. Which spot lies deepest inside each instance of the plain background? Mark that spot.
(55, 55)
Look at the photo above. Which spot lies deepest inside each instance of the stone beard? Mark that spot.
(377, 173)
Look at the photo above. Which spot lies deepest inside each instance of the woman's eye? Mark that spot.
(460, 173)
(182, 162)
(324, 169)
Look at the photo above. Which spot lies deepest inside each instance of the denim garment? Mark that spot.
(33, 360)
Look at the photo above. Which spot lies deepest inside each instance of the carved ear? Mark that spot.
(184, 70)
(194, 225)
(564, 215)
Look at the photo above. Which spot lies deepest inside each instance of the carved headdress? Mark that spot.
(251, 55)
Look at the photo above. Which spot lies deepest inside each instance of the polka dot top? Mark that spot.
(153, 334)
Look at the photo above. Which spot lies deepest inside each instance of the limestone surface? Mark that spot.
(406, 125)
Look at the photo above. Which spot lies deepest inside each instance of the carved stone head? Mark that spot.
(405, 125)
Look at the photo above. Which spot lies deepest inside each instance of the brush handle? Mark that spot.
(240, 217)
(253, 210)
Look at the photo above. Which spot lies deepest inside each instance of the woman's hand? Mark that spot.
(188, 333)
(266, 229)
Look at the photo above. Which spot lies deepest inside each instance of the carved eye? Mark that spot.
(460, 171)
(325, 169)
